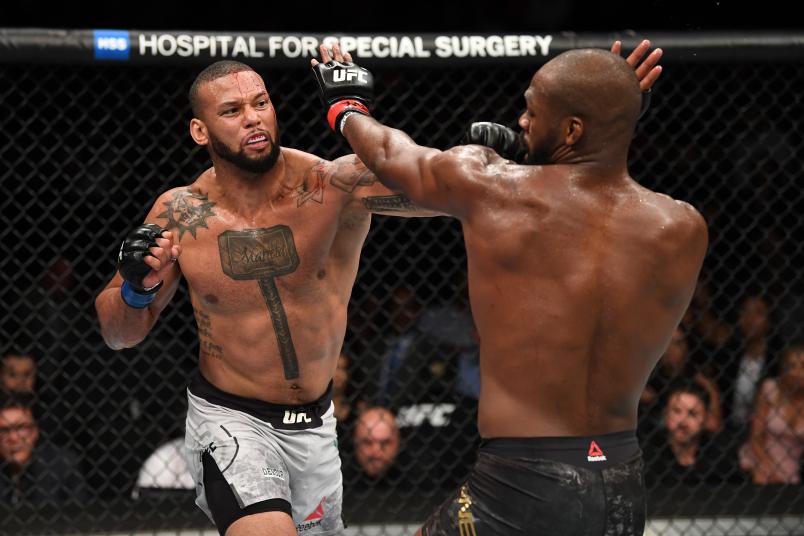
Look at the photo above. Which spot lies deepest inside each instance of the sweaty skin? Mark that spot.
(269, 257)
(577, 274)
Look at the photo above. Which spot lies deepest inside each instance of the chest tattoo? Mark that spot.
(264, 254)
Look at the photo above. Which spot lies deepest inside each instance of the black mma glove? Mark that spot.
(345, 88)
(505, 141)
(132, 267)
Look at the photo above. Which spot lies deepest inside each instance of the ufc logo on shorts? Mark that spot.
(291, 417)
(344, 75)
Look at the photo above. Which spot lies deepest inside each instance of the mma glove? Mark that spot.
(345, 88)
(505, 141)
(132, 267)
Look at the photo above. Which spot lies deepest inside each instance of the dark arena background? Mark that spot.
(94, 126)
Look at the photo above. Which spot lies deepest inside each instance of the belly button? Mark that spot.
(321, 274)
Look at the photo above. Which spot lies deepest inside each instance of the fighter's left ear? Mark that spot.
(573, 130)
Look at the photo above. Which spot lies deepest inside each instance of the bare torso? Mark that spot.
(576, 288)
(270, 288)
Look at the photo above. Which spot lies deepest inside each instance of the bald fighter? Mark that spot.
(268, 240)
(577, 278)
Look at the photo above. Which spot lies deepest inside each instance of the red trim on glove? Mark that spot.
(341, 106)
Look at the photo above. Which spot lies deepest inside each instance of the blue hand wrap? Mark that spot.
(135, 299)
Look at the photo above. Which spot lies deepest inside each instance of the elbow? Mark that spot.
(116, 341)
(115, 333)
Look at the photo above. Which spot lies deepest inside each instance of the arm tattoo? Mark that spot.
(349, 175)
(187, 211)
(389, 203)
(264, 254)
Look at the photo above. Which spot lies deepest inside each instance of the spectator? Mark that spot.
(376, 441)
(18, 373)
(405, 309)
(773, 452)
(32, 471)
(435, 408)
(743, 374)
(685, 453)
(673, 366)
(705, 330)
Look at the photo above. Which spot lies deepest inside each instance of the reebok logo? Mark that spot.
(313, 520)
(318, 513)
(595, 453)
(343, 75)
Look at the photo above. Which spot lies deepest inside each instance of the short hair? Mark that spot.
(689, 387)
(217, 70)
(23, 355)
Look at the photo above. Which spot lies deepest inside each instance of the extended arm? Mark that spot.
(441, 181)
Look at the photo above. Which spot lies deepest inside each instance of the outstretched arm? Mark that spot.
(443, 181)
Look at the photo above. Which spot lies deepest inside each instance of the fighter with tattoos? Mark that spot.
(268, 240)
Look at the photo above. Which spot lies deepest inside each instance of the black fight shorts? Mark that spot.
(549, 486)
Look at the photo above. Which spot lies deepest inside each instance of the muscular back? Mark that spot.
(576, 286)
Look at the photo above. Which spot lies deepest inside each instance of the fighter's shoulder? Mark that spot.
(173, 195)
(193, 195)
(682, 220)
(470, 155)
(296, 158)
(168, 197)
(681, 212)
(470, 164)
(304, 163)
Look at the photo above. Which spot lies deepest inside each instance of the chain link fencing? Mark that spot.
(86, 150)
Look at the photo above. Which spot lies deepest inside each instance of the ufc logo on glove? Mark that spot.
(345, 75)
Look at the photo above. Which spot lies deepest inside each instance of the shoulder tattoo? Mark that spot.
(187, 211)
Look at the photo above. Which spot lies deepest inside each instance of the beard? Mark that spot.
(539, 156)
(260, 164)
(542, 154)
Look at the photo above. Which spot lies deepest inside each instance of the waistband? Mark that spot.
(591, 452)
(281, 416)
